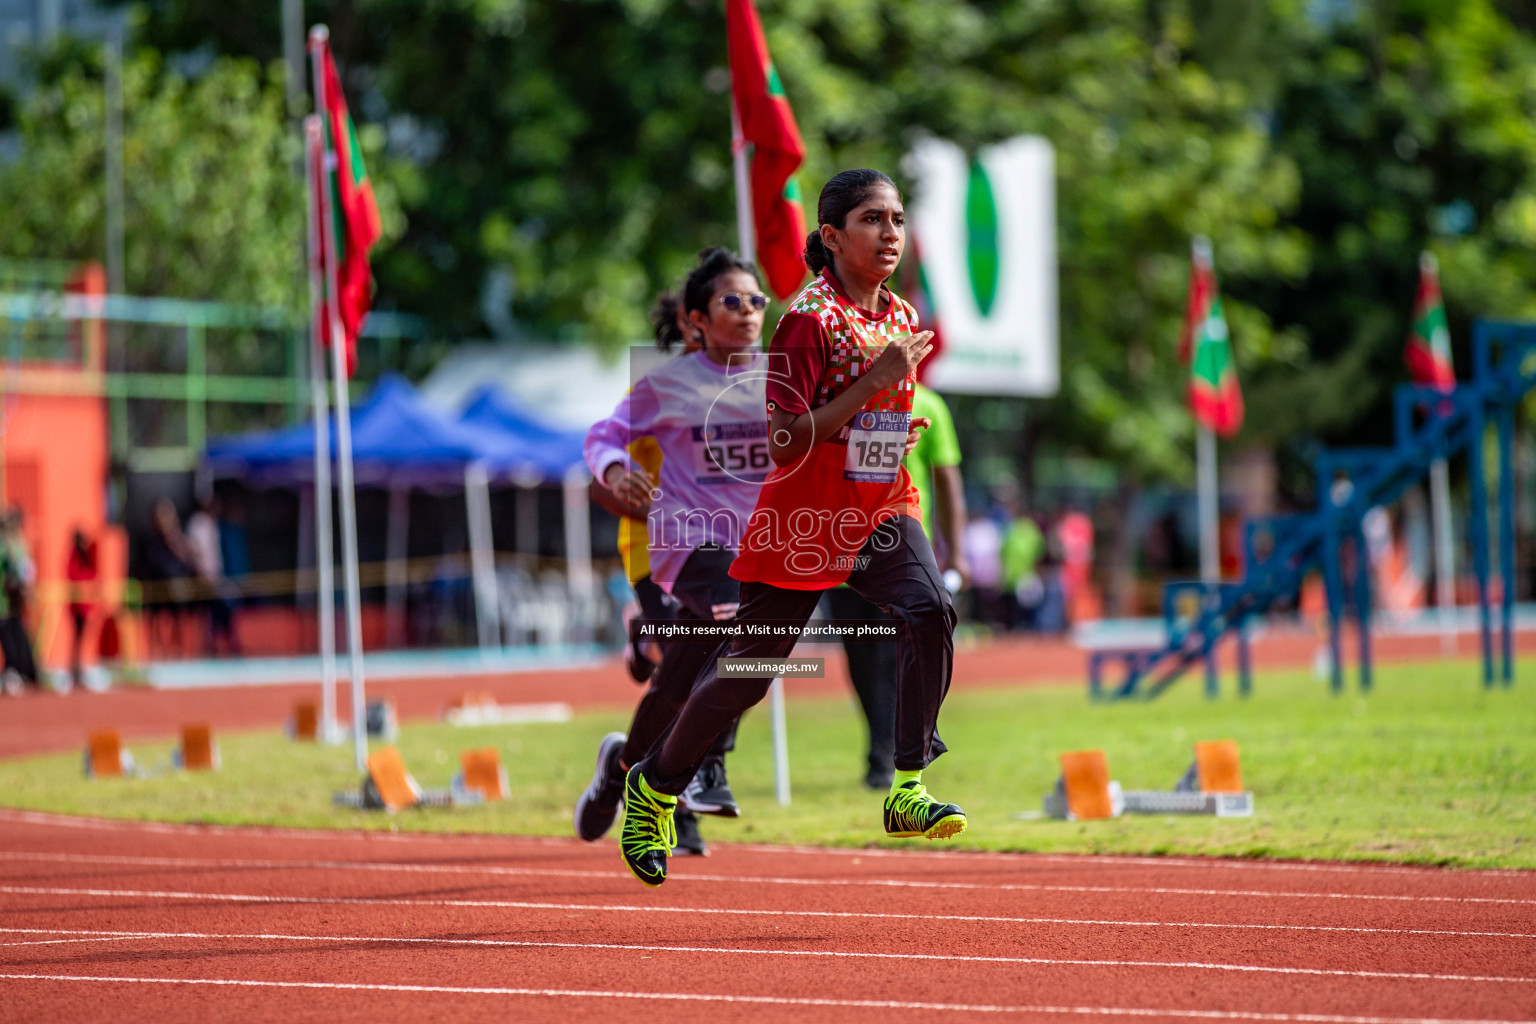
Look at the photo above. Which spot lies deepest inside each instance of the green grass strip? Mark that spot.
(1430, 768)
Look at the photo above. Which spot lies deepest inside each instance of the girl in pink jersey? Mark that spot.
(837, 507)
(704, 409)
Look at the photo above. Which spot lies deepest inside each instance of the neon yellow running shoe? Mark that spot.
(649, 832)
(910, 811)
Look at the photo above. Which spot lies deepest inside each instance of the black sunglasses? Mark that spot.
(735, 302)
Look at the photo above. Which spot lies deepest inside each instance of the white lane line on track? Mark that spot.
(701, 997)
(894, 883)
(428, 838)
(1201, 863)
(1193, 965)
(358, 901)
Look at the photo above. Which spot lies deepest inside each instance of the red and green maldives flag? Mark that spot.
(768, 125)
(1429, 341)
(354, 213)
(1214, 395)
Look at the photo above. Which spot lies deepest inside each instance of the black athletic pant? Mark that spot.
(872, 668)
(702, 587)
(901, 577)
(17, 648)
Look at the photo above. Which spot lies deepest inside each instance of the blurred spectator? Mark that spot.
(983, 543)
(235, 548)
(17, 574)
(205, 552)
(169, 570)
(1074, 539)
(1051, 614)
(934, 465)
(1229, 544)
(1165, 547)
(81, 573)
(1023, 591)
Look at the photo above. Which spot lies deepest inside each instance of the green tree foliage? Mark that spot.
(578, 151)
(212, 205)
(1411, 126)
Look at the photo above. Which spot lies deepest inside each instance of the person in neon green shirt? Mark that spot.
(935, 468)
(934, 464)
(1023, 545)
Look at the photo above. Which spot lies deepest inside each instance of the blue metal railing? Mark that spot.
(1280, 551)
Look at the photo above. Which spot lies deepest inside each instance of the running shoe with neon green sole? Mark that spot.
(649, 832)
(910, 812)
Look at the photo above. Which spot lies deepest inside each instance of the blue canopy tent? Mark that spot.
(400, 442)
(395, 436)
(529, 446)
(530, 451)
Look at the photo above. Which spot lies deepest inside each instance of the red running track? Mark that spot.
(127, 921)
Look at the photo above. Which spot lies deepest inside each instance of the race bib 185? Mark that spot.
(875, 443)
(726, 453)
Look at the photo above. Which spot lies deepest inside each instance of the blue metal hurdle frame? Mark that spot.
(1429, 424)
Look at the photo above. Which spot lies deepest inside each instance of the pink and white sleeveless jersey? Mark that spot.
(710, 423)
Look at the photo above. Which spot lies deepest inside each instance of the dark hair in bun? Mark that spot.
(839, 197)
(664, 320)
(697, 289)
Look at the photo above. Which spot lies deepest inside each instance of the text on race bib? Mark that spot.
(725, 453)
(875, 444)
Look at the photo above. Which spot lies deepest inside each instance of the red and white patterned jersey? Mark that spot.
(812, 517)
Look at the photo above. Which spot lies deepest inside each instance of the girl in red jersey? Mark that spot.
(837, 507)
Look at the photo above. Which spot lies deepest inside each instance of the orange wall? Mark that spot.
(55, 469)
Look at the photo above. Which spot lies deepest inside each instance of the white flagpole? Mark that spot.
(578, 550)
(744, 240)
(482, 555)
(319, 38)
(1209, 501)
(1210, 526)
(325, 591)
(1445, 553)
(746, 245)
(1440, 509)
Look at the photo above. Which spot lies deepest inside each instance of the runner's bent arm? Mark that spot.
(605, 448)
(799, 432)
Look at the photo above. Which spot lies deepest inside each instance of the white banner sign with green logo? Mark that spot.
(985, 233)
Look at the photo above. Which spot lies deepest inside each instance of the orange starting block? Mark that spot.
(471, 700)
(1084, 790)
(305, 723)
(198, 753)
(390, 783)
(105, 757)
(1217, 767)
(390, 787)
(483, 773)
(1212, 785)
